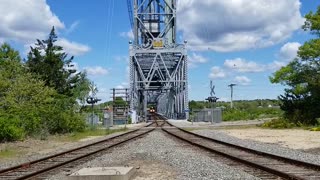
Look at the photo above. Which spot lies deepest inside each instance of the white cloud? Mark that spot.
(96, 71)
(275, 65)
(72, 27)
(242, 65)
(286, 54)
(128, 35)
(195, 59)
(191, 66)
(26, 21)
(223, 99)
(73, 48)
(217, 73)
(123, 85)
(103, 90)
(289, 51)
(237, 25)
(242, 80)
(119, 87)
(121, 58)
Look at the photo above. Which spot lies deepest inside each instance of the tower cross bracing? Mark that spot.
(158, 64)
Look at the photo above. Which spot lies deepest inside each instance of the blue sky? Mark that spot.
(229, 42)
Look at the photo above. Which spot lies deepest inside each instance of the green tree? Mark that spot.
(8, 54)
(10, 61)
(301, 101)
(30, 106)
(50, 63)
(93, 88)
(23, 98)
(193, 105)
(120, 102)
(82, 89)
(10, 68)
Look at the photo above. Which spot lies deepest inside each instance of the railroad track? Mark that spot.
(260, 164)
(160, 122)
(41, 168)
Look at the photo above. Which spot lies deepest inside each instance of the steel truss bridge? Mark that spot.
(158, 64)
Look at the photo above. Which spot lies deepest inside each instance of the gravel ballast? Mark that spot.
(156, 156)
(265, 147)
(38, 153)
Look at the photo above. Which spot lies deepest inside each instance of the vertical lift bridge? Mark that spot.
(158, 64)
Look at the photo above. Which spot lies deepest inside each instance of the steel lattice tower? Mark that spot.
(158, 65)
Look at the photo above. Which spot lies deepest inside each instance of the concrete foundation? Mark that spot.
(103, 173)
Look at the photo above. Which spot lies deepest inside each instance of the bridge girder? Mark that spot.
(158, 65)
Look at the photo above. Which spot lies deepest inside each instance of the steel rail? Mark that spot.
(294, 161)
(253, 164)
(27, 165)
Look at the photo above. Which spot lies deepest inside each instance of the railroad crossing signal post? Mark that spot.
(212, 99)
(92, 100)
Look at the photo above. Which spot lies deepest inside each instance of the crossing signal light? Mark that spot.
(212, 99)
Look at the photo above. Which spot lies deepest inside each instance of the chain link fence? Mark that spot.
(207, 115)
(92, 119)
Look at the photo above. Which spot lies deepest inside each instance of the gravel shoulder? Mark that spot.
(273, 141)
(229, 124)
(15, 153)
(297, 139)
(156, 156)
(290, 138)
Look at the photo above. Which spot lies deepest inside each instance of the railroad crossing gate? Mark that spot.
(158, 65)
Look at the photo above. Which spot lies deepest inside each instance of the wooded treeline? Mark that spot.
(243, 109)
(42, 94)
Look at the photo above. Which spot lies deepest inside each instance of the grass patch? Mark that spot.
(278, 124)
(89, 132)
(315, 129)
(250, 114)
(282, 123)
(8, 153)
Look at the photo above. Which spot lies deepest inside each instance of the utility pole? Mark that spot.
(231, 86)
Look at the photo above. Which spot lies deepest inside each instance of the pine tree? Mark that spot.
(50, 63)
